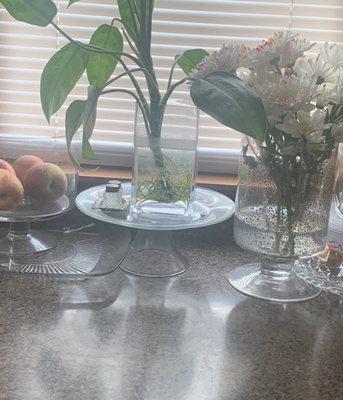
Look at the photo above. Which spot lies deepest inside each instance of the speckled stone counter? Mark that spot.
(186, 338)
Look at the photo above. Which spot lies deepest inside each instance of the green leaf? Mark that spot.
(101, 66)
(73, 121)
(190, 59)
(226, 98)
(72, 2)
(127, 16)
(88, 122)
(34, 12)
(60, 76)
(87, 151)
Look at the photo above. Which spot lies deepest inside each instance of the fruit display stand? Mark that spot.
(37, 182)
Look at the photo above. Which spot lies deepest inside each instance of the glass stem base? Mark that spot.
(22, 241)
(154, 254)
(272, 279)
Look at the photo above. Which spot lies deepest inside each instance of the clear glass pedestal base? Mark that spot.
(75, 254)
(154, 254)
(272, 280)
(21, 241)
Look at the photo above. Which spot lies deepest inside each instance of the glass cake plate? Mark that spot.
(326, 270)
(153, 251)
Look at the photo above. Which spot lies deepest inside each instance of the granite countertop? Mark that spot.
(187, 338)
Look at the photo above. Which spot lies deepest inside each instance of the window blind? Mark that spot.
(178, 25)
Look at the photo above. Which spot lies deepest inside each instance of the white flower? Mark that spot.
(283, 94)
(318, 67)
(323, 94)
(207, 66)
(336, 94)
(330, 93)
(228, 59)
(281, 50)
(293, 49)
(332, 54)
(308, 124)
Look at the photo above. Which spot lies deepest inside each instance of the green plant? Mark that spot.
(100, 57)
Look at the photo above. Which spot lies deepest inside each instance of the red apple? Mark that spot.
(6, 166)
(23, 164)
(11, 190)
(45, 182)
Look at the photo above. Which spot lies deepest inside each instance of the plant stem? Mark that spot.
(169, 92)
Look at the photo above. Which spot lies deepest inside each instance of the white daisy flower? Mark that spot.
(228, 59)
(336, 94)
(331, 92)
(232, 57)
(281, 50)
(293, 49)
(283, 94)
(323, 94)
(318, 67)
(305, 124)
(332, 54)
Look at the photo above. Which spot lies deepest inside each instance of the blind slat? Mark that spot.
(178, 25)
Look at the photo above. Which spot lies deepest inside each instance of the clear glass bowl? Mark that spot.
(37, 182)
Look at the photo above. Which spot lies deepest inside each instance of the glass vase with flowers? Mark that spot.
(287, 166)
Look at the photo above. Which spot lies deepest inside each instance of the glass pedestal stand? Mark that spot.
(272, 279)
(152, 252)
(21, 240)
(326, 270)
(74, 253)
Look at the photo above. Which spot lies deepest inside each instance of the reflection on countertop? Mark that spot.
(186, 338)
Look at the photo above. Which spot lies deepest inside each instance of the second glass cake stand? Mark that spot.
(153, 251)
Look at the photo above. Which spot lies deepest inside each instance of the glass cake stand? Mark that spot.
(153, 252)
(326, 269)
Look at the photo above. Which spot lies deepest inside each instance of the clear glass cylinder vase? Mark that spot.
(165, 151)
(282, 212)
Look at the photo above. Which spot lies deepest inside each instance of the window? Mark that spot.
(178, 25)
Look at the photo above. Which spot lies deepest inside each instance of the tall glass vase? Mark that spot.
(282, 212)
(165, 162)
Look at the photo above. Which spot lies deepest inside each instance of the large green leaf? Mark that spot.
(88, 121)
(34, 12)
(60, 76)
(226, 98)
(101, 66)
(73, 121)
(190, 59)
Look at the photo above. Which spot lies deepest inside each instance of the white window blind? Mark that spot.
(178, 25)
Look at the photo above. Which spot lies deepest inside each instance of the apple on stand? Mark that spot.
(45, 182)
(11, 190)
(23, 164)
(4, 165)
